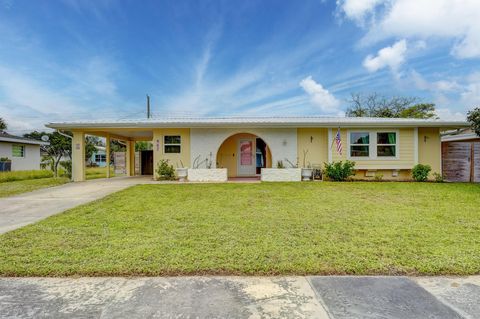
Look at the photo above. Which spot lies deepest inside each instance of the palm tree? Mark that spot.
(3, 124)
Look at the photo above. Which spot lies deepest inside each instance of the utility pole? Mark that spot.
(148, 106)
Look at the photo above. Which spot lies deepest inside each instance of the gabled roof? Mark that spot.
(306, 121)
(5, 137)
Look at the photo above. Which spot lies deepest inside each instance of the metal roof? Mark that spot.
(310, 121)
(5, 137)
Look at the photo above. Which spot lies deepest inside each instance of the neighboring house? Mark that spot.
(23, 152)
(461, 156)
(386, 146)
(99, 157)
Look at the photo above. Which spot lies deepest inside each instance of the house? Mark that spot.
(99, 157)
(461, 156)
(23, 153)
(253, 146)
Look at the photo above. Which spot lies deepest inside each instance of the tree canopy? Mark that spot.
(473, 117)
(3, 124)
(375, 105)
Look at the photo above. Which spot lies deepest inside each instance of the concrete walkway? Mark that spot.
(241, 297)
(18, 211)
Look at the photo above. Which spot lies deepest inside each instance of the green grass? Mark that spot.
(24, 175)
(18, 187)
(257, 229)
(98, 172)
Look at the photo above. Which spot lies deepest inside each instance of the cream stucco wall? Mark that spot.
(430, 148)
(174, 159)
(405, 153)
(31, 160)
(315, 141)
(282, 142)
(227, 155)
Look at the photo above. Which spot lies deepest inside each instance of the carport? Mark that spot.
(126, 135)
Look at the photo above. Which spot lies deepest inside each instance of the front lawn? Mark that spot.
(98, 172)
(23, 186)
(257, 229)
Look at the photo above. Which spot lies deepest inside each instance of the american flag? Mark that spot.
(338, 142)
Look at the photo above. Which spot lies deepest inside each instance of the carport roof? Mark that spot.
(223, 122)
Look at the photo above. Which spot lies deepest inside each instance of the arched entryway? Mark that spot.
(244, 155)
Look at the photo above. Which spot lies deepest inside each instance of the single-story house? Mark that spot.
(256, 146)
(23, 153)
(99, 157)
(461, 156)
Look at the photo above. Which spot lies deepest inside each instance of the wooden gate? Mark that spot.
(461, 161)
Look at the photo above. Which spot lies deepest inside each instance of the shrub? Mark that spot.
(24, 175)
(339, 171)
(165, 172)
(280, 164)
(420, 172)
(378, 177)
(67, 166)
(438, 177)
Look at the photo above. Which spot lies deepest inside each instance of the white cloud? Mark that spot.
(320, 96)
(471, 95)
(392, 57)
(457, 20)
(358, 9)
(435, 86)
(447, 114)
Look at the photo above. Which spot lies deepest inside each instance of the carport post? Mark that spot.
(130, 158)
(107, 153)
(78, 157)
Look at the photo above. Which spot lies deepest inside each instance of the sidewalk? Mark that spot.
(241, 297)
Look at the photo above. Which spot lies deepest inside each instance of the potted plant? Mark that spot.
(182, 172)
(307, 170)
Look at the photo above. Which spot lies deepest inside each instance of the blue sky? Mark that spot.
(69, 60)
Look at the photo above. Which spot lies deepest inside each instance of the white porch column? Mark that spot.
(78, 157)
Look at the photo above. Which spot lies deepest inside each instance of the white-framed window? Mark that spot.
(18, 150)
(359, 144)
(377, 144)
(386, 144)
(100, 158)
(172, 143)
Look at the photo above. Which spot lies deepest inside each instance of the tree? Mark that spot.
(90, 146)
(375, 105)
(143, 146)
(3, 125)
(473, 117)
(59, 147)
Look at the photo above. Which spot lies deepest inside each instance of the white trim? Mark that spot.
(171, 144)
(254, 154)
(255, 122)
(330, 141)
(415, 146)
(372, 147)
(22, 141)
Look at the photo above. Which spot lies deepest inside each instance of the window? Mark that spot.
(171, 144)
(100, 158)
(386, 144)
(18, 150)
(360, 144)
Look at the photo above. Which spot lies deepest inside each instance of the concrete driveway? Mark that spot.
(18, 211)
(241, 297)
